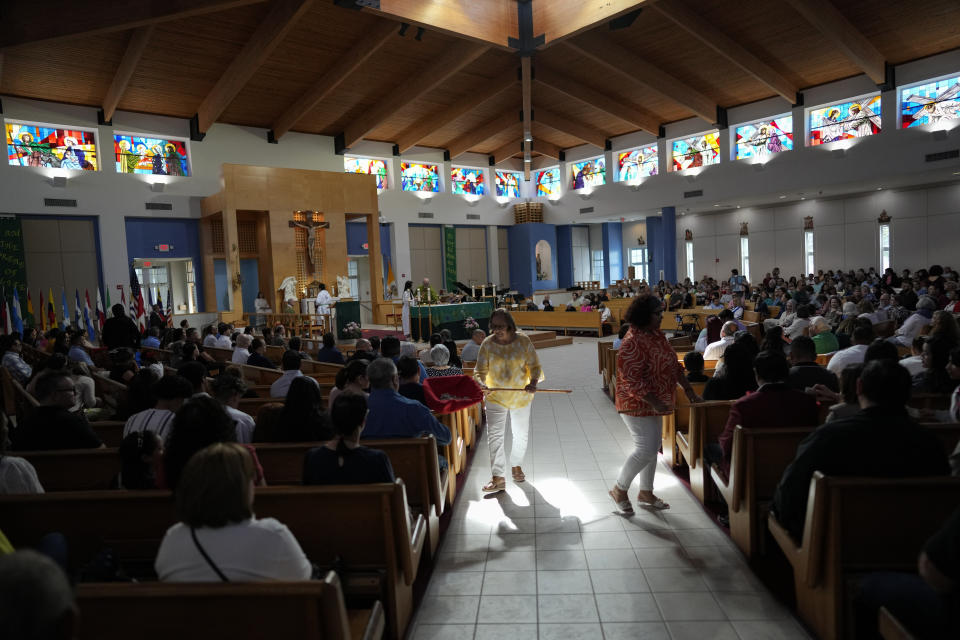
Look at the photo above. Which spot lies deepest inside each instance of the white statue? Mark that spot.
(343, 287)
(289, 288)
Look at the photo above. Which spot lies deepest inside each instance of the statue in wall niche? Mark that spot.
(343, 287)
(539, 267)
(289, 288)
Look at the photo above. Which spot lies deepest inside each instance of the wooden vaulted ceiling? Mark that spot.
(314, 66)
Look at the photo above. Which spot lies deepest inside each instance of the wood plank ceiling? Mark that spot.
(331, 70)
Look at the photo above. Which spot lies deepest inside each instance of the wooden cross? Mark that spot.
(311, 227)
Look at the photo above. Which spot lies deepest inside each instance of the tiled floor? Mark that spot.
(549, 559)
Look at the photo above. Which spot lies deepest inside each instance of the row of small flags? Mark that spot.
(85, 315)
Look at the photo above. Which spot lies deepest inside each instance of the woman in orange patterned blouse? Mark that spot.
(647, 376)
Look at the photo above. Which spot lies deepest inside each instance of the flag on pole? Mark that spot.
(101, 312)
(16, 319)
(77, 311)
(65, 309)
(88, 315)
(51, 312)
(169, 307)
(41, 315)
(107, 299)
(123, 297)
(30, 319)
(136, 300)
(149, 299)
(390, 280)
(6, 315)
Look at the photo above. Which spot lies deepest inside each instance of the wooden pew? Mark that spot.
(757, 461)
(578, 320)
(109, 431)
(414, 460)
(843, 537)
(890, 628)
(707, 420)
(385, 551)
(157, 611)
(678, 420)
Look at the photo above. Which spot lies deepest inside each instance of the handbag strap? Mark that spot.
(203, 552)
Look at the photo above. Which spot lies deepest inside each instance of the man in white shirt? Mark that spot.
(472, 348)
(861, 339)
(210, 339)
(228, 389)
(171, 391)
(714, 350)
(915, 323)
(291, 370)
(801, 322)
(914, 362)
(242, 353)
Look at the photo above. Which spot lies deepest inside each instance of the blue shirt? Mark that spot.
(332, 355)
(151, 342)
(393, 416)
(79, 354)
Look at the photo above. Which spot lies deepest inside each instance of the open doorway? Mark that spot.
(358, 270)
(170, 281)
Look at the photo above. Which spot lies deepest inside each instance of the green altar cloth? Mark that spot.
(346, 311)
(448, 316)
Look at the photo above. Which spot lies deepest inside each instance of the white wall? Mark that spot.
(924, 229)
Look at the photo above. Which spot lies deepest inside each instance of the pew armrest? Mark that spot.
(726, 486)
(890, 628)
(807, 557)
(410, 532)
(367, 624)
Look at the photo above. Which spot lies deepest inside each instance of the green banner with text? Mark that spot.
(450, 256)
(13, 272)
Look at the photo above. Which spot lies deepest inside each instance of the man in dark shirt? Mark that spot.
(120, 331)
(880, 441)
(52, 425)
(805, 371)
(258, 356)
(329, 352)
(409, 373)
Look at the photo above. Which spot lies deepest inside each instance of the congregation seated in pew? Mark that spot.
(170, 392)
(329, 352)
(290, 365)
(735, 378)
(881, 440)
(693, 364)
(228, 388)
(241, 353)
(409, 374)
(218, 537)
(17, 475)
(141, 453)
(391, 414)
(303, 418)
(343, 460)
(441, 367)
(258, 356)
(477, 336)
(350, 379)
(804, 370)
(53, 425)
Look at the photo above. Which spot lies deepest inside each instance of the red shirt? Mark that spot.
(646, 363)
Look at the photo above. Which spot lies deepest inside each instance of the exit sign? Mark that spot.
(147, 264)
(163, 248)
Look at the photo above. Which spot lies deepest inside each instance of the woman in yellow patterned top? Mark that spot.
(507, 360)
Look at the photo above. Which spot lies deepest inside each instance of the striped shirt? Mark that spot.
(160, 421)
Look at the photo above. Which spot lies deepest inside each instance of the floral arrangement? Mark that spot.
(470, 324)
(352, 330)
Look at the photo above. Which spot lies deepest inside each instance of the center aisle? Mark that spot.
(549, 559)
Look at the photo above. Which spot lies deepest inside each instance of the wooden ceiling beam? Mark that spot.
(344, 66)
(491, 22)
(560, 19)
(128, 64)
(609, 104)
(506, 120)
(841, 33)
(483, 92)
(450, 62)
(526, 84)
(55, 19)
(545, 148)
(707, 33)
(627, 64)
(273, 28)
(585, 132)
(507, 151)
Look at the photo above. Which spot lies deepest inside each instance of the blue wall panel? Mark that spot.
(564, 256)
(523, 239)
(654, 240)
(668, 235)
(220, 284)
(182, 234)
(612, 234)
(250, 274)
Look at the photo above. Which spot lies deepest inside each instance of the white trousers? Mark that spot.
(646, 434)
(496, 432)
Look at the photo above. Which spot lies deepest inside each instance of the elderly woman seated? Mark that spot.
(440, 356)
(218, 538)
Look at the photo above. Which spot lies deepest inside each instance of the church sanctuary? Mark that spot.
(480, 320)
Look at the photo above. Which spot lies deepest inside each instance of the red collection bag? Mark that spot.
(449, 394)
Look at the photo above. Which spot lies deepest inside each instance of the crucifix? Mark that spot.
(313, 253)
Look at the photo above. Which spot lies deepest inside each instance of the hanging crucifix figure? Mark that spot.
(313, 252)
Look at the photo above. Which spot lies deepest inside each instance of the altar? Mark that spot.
(346, 311)
(435, 317)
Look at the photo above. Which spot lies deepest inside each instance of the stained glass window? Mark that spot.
(548, 182)
(589, 173)
(930, 103)
(508, 183)
(35, 145)
(637, 163)
(156, 156)
(467, 181)
(763, 138)
(370, 166)
(856, 118)
(416, 176)
(698, 151)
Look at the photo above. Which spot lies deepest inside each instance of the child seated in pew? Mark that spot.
(693, 363)
(218, 537)
(141, 454)
(342, 460)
